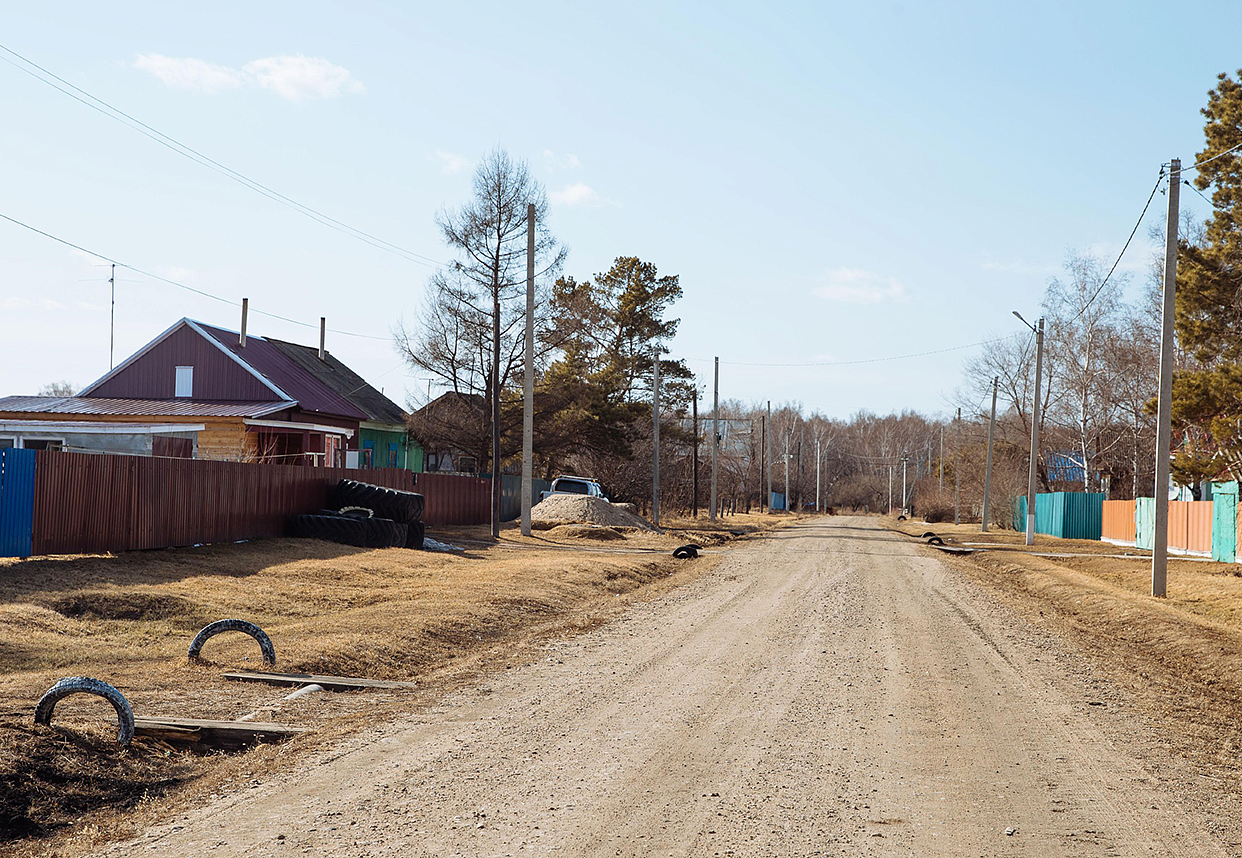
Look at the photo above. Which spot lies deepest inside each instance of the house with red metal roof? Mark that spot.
(247, 398)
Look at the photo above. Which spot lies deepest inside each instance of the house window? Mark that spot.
(8, 443)
(368, 454)
(43, 443)
(392, 455)
(185, 381)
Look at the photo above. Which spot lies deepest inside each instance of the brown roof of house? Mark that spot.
(344, 382)
(102, 406)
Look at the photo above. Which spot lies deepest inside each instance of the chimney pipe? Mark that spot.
(323, 335)
(241, 341)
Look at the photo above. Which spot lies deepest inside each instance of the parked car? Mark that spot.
(574, 486)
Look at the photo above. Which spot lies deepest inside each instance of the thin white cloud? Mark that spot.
(553, 162)
(856, 286)
(579, 194)
(295, 78)
(15, 303)
(189, 73)
(451, 162)
(299, 78)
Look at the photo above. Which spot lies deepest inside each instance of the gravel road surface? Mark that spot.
(832, 689)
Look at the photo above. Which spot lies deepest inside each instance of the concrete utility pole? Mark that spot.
(528, 392)
(1164, 404)
(787, 433)
(817, 509)
(715, 437)
(905, 457)
(890, 487)
(763, 460)
(655, 441)
(767, 447)
(112, 320)
(942, 457)
(694, 478)
(987, 474)
(1032, 470)
(957, 467)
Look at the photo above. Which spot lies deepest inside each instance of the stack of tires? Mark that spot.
(367, 516)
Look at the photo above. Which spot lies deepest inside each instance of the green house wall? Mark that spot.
(380, 441)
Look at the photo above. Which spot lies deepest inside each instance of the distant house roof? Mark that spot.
(101, 406)
(344, 382)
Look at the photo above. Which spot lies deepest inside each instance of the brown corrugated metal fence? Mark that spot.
(453, 499)
(90, 503)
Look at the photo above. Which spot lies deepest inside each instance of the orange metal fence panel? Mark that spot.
(1118, 522)
(1190, 527)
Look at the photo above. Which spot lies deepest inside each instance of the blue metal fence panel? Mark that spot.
(1066, 515)
(17, 469)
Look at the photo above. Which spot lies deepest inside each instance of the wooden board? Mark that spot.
(329, 683)
(215, 734)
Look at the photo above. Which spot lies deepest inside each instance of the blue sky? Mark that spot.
(832, 181)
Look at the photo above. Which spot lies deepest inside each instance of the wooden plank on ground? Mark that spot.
(214, 734)
(329, 683)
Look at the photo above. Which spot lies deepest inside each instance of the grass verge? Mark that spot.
(435, 619)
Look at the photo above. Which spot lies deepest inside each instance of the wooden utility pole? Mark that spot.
(987, 478)
(694, 477)
(711, 515)
(787, 434)
(1164, 402)
(655, 440)
(528, 392)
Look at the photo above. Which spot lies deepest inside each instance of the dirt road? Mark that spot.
(833, 689)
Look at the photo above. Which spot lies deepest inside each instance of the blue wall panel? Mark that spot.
(17, 468)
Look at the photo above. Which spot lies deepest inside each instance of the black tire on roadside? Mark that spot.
(404, 507)
(359, 532)
(415, 533)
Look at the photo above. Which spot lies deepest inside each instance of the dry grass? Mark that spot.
(1180, 658)
(436, 619)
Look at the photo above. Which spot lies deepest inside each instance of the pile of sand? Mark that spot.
(586, 531)
(571, 509)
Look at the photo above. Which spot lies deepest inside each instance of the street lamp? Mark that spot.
(1030, 480)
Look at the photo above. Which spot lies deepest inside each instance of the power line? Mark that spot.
(1199, 164)
(861, 360)
(1108, 276)
(179, 285)
(197, 157)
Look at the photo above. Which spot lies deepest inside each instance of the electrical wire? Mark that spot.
(1124, 247)
(179, 285)
(1199, 164)
(861, 360)
(197, 157)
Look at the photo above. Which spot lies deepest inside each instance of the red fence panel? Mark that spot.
(91, 503)
(455, 499)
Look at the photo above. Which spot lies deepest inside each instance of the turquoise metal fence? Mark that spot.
(17, 472)
(1225, 521)
(1066, 515)
(1145, 523)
